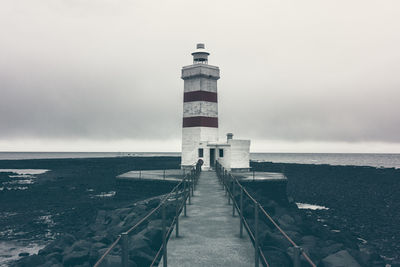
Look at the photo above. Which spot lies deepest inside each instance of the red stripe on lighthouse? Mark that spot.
(200, 121)
(200, 96)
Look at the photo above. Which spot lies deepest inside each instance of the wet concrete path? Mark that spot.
(209, 235)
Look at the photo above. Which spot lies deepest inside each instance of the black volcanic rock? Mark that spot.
(357, 197)
(84, 224)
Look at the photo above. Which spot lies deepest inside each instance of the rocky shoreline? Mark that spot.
(85, 247)
(70, 195)
(358, 199)
(355, 196)
(326, 247)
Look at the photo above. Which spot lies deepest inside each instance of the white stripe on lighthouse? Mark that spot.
(200, 84)
(200, 108)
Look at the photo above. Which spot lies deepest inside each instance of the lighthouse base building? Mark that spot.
(200, 120)
(233, 154)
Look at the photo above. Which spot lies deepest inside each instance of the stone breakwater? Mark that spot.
(325, 246)
(89, 244)
(363, 214)
(68, 197)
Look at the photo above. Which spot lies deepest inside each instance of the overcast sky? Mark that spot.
(104, 75)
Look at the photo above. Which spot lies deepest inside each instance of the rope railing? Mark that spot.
(182, 192)
(230, 183)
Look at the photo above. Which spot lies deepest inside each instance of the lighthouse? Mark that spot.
(200, 119)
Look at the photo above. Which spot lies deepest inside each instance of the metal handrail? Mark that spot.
(170, 229)
(253, 236)
(189, 179)
(223, 175)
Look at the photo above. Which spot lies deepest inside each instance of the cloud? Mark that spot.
(110, 70)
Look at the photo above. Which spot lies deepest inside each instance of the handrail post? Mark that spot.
(225, 183)
(233, 198)
(256, 252)
(241, 211)
(189, 182)
(194, 182)
(177, 214)
(164, 235)
(184, 197)
(125, 250)
(229, 195)
(296, 256)
(191, 175)
(192, 186)
(195, 179)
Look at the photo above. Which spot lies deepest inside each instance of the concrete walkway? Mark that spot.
(209, 236)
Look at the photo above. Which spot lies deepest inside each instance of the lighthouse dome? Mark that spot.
(200, 55)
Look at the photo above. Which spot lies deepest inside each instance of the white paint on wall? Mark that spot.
(200, 108)
(200, 84)
(200, 70)
(240, 153)
(191, 139)
(225, 160)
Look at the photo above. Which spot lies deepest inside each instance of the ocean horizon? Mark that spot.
(379, 160)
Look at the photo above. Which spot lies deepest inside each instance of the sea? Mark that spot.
(355, 159)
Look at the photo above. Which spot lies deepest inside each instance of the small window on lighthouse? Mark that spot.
(221, 153)
(200, 152)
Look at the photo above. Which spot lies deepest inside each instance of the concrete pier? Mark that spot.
(209, 235)
(175, 175)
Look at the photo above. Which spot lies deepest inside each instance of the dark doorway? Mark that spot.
(212, 157)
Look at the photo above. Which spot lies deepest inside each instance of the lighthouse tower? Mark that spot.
(200, 109)
(200, 120)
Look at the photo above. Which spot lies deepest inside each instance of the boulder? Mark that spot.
(152, 203)
(368, 257)
(142, 258)
(103, 237)
(294, 235)
(77, 254)
(276, 240)
(111, 261)
(23, 254)
(55, 246)
(114, 219)
(277, 258)
(76, 258)
(309, 241)
(285, 220)
(101, 218)
(331, 249)
(55, 255)
(68, 239)
(154, 234)
(340, 259)
(123, 212)
(34, 260)
(50, 264)
(130, 219)
(139, 242)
